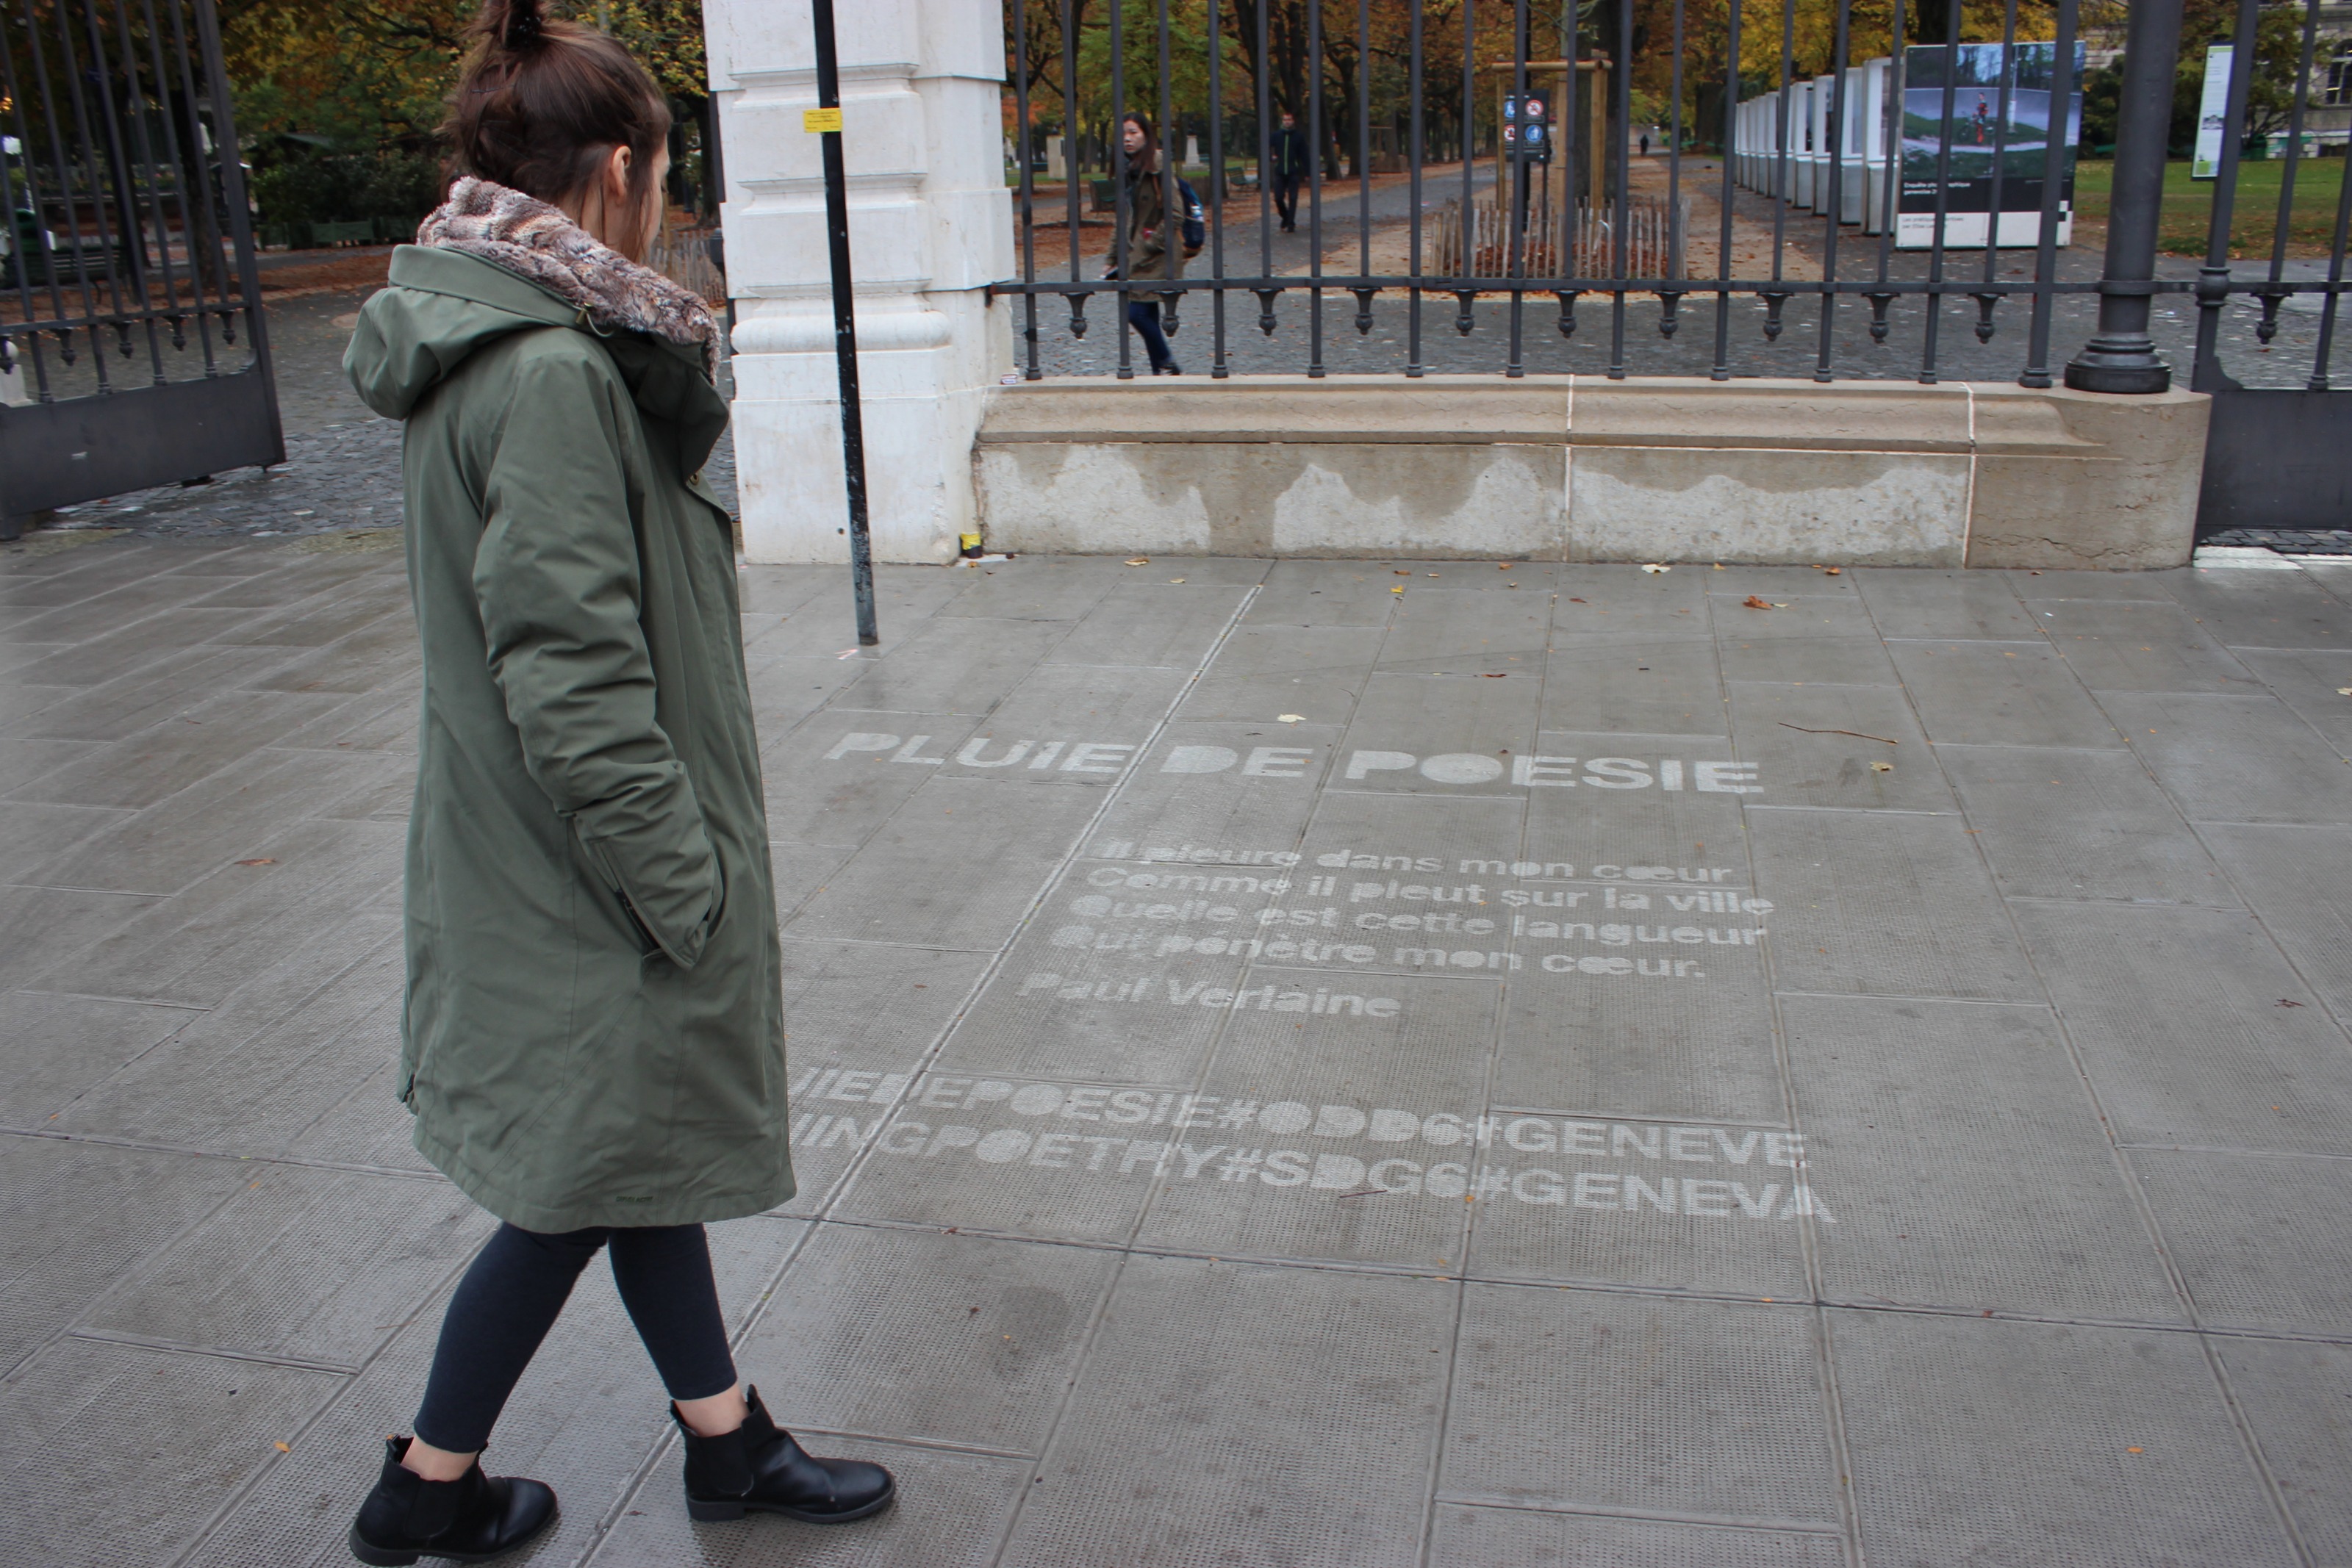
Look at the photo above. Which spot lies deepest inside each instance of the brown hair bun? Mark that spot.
(541, 103)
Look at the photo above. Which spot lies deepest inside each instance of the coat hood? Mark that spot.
(491, 261)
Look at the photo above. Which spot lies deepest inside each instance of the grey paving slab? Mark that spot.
(1806, 661)
(1624, 601)
(164, 758)
(1299, 1110)
(2148, 587)
(2253, 1235)
(1945, 605)
(22, 763)
(123, 704)
(951, 665)
(1625, 799)
(60, 1046)
(2297, 611)
(967, 1499)
(379, 652)
(1775, 584)
(1977, 1440)
(824, 624)
(2292, 1397)
(234, 814)
(1130, 1015)
(2079, 824)
(33, 832)
(1791, 734)
(1643, 685)
(117, 1208)
(779, 589)
(2312, 682)
(1191, 1393)
(1266, 671)
(253, 1076)
(953, 1340)
(1322, 593)
(2179, 1016)
(142, 643)
(1466, 1536)
(2293, 878)
(1884, 903)
(383, 720)
(40, 926)
(1695, 1409)
(1460, 731)
(838, 777)
(1458, 631)
(1036, 588)
(1151, 621)
(301, 1265)
(585, 1418)
(1094, 705)
(2138, 646)
(2236, 759)
(1814, 610)
(109, 612)
(2000, 693)
(1237, 784)
(956, 866)
(198, 946)
(1928, 1129)
(107, 1422)
(786, 691)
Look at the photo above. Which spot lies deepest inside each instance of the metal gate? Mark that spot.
(2275, 457)
(132, 349)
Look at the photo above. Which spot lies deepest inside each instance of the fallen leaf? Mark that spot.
(1653, 568)
(1175, 579)
(265, 859)
(1433, 574)
(1398, 589)
(1291, 717)
(1754, 602)
(2340, 691)
(1400, 572)
(1493, 675)
(1139, 561)
(289, 1447)
(1832, 571)
(2284, 1003)
(2127, 1450)
(1573, 599)
(1881, 767)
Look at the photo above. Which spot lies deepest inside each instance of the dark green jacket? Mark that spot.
(594, 1032)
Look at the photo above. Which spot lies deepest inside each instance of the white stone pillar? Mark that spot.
(930, 227)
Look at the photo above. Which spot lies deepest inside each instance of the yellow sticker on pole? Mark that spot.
(817, 122)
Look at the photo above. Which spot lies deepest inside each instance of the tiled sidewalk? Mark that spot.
(1550, 1065)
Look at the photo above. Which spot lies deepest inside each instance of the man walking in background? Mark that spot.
(1289, 154)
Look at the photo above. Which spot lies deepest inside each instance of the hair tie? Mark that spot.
(524, 27)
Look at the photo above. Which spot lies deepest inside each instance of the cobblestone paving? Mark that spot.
(1303, 1064)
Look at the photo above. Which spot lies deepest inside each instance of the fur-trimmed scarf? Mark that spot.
(539, 243)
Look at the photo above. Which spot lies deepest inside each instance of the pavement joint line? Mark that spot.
(1597, 1511)
(125, 1001)
(2121, 903)
(220, 1352)
(2245, 1154)
(1850, 810)
(107, 1140)
(1898, 997)
(2135, 1187)
(935, 1445)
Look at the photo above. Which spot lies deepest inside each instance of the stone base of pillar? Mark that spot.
(925, 375)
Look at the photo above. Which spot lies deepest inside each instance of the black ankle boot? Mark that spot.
(470, 1519)
(759, 1466)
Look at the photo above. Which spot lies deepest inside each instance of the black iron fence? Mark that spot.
(1720, 187)
(132, 347)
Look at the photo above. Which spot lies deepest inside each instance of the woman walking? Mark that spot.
(593, 1039)
(1152, 252)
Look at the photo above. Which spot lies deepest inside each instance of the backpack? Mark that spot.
(1196, 227)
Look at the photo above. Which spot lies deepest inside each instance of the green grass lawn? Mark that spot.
(2189, 205)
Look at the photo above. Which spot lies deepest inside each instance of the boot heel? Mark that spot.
(380, 1556)
(710, 1513)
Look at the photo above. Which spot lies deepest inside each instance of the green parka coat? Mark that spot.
(593, 1031)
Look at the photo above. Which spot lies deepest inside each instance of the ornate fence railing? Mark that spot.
(1830, 192)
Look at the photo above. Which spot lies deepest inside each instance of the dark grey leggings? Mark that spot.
(518, 1283)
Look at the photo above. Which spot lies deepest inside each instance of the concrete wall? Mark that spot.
(1579, 468)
